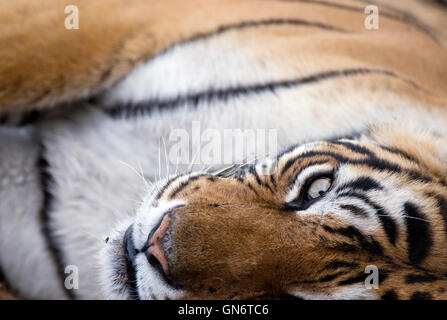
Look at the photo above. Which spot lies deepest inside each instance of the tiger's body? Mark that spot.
(363, 109)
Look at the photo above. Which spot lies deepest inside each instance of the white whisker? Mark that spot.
(166, 158)
(405, 216)
(140, 175)
(193, 160)
(159, 160)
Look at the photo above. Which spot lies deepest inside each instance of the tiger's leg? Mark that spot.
(24, 257)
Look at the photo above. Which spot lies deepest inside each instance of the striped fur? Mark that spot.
(244, 235)
(82, 131)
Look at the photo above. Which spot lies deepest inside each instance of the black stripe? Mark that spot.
(183, 185)
(365, 151)
(240, 178)
(343, 246)
(47, 182)
(420, 278)
(373, 163)
(367, 243)
(401, 15)
(398, 152)
(211, 179)
(239, 175)
(418, 234)
(387, 222)
(163, 189)
(383, 275)
(340, 264)
(357, 211)
(326, 278)
(331, 139)
(353, 135)
(356, 148)
(130, 253)
(272, 181)
(373, 157)
(442, 205)
(358, 278)
(224, 94)
(421, 295)
(362, 183)
(252, 170)
(390, 295)
(250, 186)
(331, 277)
(294, 160)
(245, 25)
(268, 187)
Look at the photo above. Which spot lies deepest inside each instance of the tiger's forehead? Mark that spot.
(344, 149)
(324, 145)
(290, 157)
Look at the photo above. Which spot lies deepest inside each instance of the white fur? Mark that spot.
(24, 258)
(194, 67)
(151, 285)
(354, 292)
(99, 164)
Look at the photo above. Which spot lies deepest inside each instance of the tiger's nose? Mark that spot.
(156, 251)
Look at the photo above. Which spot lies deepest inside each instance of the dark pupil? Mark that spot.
(309, 197)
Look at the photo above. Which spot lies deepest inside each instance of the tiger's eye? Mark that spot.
(318, 188)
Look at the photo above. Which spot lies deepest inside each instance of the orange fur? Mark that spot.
(43, 64)
(236, 239)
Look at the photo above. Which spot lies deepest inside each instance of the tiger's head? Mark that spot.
(318, 221)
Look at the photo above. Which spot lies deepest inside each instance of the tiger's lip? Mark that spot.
(130, 253)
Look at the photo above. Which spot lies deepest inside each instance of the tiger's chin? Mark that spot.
(126, 278)
(112, 269)
(125, 272)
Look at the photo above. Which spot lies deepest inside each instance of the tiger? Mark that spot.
(101, 192)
